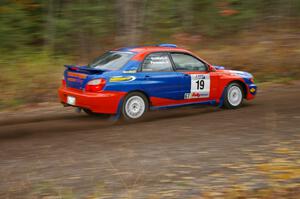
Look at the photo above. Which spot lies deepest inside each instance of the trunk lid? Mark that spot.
(77, 76)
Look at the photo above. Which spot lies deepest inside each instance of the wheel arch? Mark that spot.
(242, 84)
(142, 92)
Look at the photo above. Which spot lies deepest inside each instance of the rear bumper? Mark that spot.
(103, 102)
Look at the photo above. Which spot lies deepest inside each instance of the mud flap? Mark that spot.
(221, 102)
(117, 116)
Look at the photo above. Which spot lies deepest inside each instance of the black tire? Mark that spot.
(124, 112)
(89, 112)
(228, 104)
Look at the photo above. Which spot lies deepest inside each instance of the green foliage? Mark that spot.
(65, 27)
(79, 24)
(14, 26)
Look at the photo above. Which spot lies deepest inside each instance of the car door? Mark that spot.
(160, 79)
(197, 80)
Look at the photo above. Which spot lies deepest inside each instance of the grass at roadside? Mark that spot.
(29, 79)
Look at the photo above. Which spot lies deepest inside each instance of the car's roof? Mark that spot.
(148, 49)
(142, 51)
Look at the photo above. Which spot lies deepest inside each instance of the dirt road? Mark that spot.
(179, 153)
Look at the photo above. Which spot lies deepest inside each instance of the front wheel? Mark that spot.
(135, 106)
(233, 96)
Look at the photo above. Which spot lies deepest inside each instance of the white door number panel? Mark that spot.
(71, 100)
(200, 86)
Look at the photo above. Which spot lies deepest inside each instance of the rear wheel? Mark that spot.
(234, 96)
(135, 106)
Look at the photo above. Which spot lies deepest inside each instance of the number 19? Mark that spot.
(200, 84)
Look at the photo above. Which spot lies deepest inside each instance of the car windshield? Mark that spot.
(112, 60)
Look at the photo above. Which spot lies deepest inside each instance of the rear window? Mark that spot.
(112, 60)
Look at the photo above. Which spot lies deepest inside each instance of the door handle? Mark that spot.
(147, 76)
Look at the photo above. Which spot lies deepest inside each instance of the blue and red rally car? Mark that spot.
(130, 81)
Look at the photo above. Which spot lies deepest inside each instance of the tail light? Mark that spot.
(95, 85)
(63, 81)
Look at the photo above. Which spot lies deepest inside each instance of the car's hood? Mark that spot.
(243, 74)
(240, 73)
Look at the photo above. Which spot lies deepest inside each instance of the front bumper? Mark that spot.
(252, 90)
(106, 102)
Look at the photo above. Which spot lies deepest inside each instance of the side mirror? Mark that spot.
(211, 68)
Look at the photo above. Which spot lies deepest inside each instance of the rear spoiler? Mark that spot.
(85, 69)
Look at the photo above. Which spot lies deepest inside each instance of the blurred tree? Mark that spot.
(20, 25)
(81, 27)
(130, 20)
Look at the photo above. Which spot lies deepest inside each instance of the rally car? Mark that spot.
(130, 81)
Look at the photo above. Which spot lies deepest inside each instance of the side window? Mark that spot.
(157, 62)
(185, 62)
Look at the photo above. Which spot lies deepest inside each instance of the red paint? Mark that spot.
(142, 52)
(225, 79)
(157, 101)
(63, 82)
(102, 102)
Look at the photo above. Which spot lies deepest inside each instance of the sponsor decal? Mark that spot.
(200, 86)
(121, 78)
(252, 90)
(195, 95)
(159, 60)
(71, 79)
(129, 71)
(198, 76)
(79, 75)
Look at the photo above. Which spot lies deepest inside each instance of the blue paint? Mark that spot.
(222, 98)
(171, 85)
(163, 84)
(127, 49)
(131, 65)
(119, 111)
(168, 45)
(251, 86)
